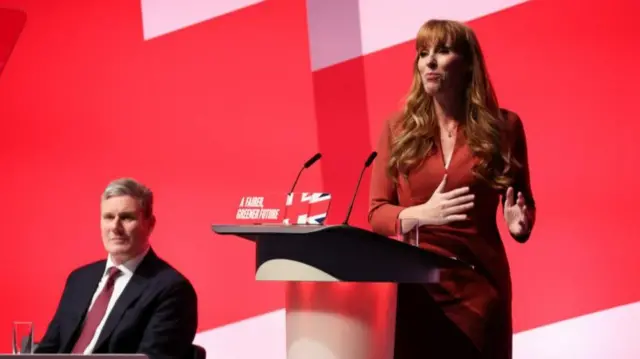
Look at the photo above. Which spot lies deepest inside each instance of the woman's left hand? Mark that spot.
(515, 213)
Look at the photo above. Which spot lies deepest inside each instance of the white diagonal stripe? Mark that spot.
(610, 333)
(161, 17)
(340, 30)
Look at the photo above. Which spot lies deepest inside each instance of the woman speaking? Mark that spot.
(445, 162)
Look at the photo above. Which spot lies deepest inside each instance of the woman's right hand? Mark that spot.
(442, 207)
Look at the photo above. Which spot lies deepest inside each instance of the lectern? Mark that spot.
(332, 320)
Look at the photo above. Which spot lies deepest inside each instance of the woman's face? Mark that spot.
(441, 69)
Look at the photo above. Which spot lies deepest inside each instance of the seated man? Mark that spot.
(132, 302)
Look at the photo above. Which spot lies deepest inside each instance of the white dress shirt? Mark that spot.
(127, 269)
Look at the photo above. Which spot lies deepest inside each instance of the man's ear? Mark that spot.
(152, 223)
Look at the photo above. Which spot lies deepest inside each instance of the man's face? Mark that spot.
(125, 230)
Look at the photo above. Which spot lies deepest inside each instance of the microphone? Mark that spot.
(307, 164)
(367, 163)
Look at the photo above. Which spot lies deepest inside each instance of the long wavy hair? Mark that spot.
(483, 124)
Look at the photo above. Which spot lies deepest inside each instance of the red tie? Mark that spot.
(94, 317)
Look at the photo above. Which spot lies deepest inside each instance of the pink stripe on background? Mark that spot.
(160, 17)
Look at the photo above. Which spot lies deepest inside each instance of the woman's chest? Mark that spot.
(458, 166)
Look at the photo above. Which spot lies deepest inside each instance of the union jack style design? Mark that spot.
(306, 208)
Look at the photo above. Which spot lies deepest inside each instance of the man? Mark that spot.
(132, 302)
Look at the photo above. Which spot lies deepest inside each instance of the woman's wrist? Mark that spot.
(407, 213)
(413, 212)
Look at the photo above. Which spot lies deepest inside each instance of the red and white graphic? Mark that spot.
(307, 208)
(161, 17)
(343, 30)
(228, 91)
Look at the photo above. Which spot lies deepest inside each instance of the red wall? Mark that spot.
(196, 116)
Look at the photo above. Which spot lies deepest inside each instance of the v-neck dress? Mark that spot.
(477, 301)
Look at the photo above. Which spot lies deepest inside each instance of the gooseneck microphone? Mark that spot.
(307, 164)
(367, 163)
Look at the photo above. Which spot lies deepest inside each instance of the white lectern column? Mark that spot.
(338, 320)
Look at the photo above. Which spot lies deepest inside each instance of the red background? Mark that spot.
(205, 113)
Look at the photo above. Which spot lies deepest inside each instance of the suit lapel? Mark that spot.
(131, 293)
(83, 295)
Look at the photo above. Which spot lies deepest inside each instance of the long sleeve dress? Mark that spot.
(467, 314)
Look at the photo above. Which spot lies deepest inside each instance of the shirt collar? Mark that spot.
(128, 267)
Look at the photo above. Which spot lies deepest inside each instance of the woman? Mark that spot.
(446, 161)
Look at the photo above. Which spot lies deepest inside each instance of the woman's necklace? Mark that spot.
(452, 130)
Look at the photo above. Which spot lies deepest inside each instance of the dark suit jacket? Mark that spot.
(156, 314)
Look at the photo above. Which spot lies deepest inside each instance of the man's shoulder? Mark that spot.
(170, 275)
(87, 269)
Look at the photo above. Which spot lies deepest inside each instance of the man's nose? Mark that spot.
(116, 225)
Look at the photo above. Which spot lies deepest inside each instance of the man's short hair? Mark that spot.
(133, 188)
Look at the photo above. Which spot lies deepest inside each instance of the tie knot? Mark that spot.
(113, 272)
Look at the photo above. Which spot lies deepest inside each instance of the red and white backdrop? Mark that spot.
(203, 100)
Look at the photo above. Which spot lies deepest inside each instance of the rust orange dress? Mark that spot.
(468, 313)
